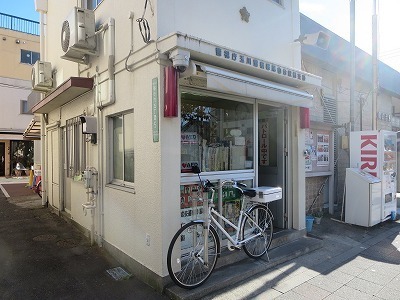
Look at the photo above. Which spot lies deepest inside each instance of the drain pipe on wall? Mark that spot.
(41, 7)
(110, 28)
(91, 181)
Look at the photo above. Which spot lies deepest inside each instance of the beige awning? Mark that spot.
(32, 132)
(231, 82)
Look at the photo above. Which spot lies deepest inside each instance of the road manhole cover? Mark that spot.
(67, 243)
(45, 237)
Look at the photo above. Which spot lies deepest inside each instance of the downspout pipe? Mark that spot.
(111, 60)
(110, 28)
(41, 7)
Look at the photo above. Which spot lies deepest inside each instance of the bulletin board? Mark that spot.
(318, 150)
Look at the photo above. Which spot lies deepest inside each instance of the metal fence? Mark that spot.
(19, 24)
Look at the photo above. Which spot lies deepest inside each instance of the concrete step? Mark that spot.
(279, 238)
(245, 269)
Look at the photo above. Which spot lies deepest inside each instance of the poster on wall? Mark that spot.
(264, 145)
(309, 138)
(308, 160)
(322, 149)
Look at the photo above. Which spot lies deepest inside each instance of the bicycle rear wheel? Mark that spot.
(186, 261)
(257, 221)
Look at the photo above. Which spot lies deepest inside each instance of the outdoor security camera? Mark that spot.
(319, 39)
(180, 59)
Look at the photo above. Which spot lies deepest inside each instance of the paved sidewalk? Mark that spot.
(354, 263)
(44, 257)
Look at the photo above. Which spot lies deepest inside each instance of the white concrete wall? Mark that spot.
(128, 214)
(11, 92)
(153, 206)
(268, 35)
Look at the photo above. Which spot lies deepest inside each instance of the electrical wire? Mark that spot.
(144, 26)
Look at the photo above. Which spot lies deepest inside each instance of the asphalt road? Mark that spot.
(44, 257)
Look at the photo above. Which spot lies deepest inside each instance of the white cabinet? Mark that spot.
(363, 204)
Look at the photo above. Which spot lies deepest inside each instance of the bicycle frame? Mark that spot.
(211, 219)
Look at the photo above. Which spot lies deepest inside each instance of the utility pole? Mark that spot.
(352, 61)
(375, 83)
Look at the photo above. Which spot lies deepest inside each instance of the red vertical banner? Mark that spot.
(170, 92)
(304, 117)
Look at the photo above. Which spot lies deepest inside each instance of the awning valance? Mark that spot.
(231, 82)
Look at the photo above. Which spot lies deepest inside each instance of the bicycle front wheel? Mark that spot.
(188, 262)
(257, 228)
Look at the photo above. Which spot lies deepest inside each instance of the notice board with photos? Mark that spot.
(318, 150)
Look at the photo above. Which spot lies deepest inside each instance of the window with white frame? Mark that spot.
(75, 147)
(92, 4)
(122, 149)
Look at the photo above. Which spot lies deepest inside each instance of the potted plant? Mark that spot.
(318, 216)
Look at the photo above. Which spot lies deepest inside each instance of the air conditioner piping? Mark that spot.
(111, 65)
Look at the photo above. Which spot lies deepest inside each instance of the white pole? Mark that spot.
(375, 84)
(352, 61)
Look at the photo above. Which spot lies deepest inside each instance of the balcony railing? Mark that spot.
(19, 24)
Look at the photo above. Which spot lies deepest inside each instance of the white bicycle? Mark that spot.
(195, 248)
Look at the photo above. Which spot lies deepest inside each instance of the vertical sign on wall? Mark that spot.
(155, 108)
(264, 144)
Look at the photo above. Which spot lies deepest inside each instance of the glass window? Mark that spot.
(122, 149)
(29, 57)
(75, 147)
(92, 4)
(24, 107)
(216, 134)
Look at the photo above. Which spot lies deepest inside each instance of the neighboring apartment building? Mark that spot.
(19, 49)
(158, 90)
(330, 115)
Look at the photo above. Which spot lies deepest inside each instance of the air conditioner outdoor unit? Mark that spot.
(78, 39)
(41, 76)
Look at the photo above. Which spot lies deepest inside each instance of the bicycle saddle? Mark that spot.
(249, 193)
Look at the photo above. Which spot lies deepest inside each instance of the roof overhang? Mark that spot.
(32, 132)
(64, 93)
(237, 61)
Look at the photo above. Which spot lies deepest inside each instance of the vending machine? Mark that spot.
(376, 153)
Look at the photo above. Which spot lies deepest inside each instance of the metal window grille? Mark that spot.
(75, 147)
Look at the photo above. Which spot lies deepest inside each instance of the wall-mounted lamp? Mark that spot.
(319, 39)
(17, 41)
(89, 126)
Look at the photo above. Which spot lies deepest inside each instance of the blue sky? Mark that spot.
(19, 8)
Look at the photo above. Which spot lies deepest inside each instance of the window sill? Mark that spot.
(128, 189)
